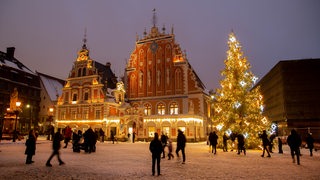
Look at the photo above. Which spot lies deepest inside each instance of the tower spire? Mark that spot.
(84, 46)
(154, 18)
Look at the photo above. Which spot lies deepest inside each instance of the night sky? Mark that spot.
(48, 34)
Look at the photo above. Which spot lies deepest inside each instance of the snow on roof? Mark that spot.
(52, 85)
(16, 66)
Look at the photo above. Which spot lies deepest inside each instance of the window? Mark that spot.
(151, 131)
(98, 114)
(147, 109)
(174, 108)
(86, 96)
(161, 109)
(73, 115)
(74, 97)
(79, 72)
(85, 114)
(63, 115)
(84, 71)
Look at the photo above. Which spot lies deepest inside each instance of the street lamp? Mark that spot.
(30, 112)
(16, 112)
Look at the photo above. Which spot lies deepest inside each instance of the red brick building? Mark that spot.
(164, 88)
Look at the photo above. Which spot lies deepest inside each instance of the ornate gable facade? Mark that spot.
(88, 97)
(163, 86)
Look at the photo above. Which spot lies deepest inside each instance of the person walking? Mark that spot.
(30, 147)
(67, 136)
(156, 149)
(310, 142)
(164, 144)
(181, 144)
(225, 142)
(102, 134)
(56, 147)
(294, 142)
(170, 147)
(213, 138)
(265, 143)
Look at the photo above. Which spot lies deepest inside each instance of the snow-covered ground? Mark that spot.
(133, 161)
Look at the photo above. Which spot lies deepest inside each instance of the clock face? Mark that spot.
(154, 46)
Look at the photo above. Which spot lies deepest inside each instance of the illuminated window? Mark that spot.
(63, 115)
(161, 109)
(151, 131)
(147, 109)
(166, 131)
(85, 114)
(98, 114)
(174, 108)
(73, 115)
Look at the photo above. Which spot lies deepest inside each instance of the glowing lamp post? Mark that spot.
(16, 111)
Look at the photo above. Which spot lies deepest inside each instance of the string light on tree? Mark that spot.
(239, 105)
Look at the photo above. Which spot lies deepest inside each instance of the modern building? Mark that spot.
(291, 93)
(19, 81)
(163, 88)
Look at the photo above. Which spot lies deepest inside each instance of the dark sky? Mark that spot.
(48, 34)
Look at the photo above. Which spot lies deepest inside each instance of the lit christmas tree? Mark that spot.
(238, 107)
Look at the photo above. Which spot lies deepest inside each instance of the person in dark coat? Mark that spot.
(112, 136)
(164, 139)
(271, 142)
(233, 139)
(56, 147)
(181, 144)
(156, 150)
(133, 137)
(280, 146)
(90, 139)
(30, 147)
(310, 142)
(75, 141)
(265, 143)
(241, 146)
(225, 142)
(294, 141)
(101, 132)
(213, 139)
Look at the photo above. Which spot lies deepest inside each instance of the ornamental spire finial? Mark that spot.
(154, 18)
(85, 39)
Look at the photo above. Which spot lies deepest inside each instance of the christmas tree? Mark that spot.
(238, 106)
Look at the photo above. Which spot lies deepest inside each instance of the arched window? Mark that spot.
(161, 109)
(147, 109)
(174, 108)
(79, 72)
(84, 72)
